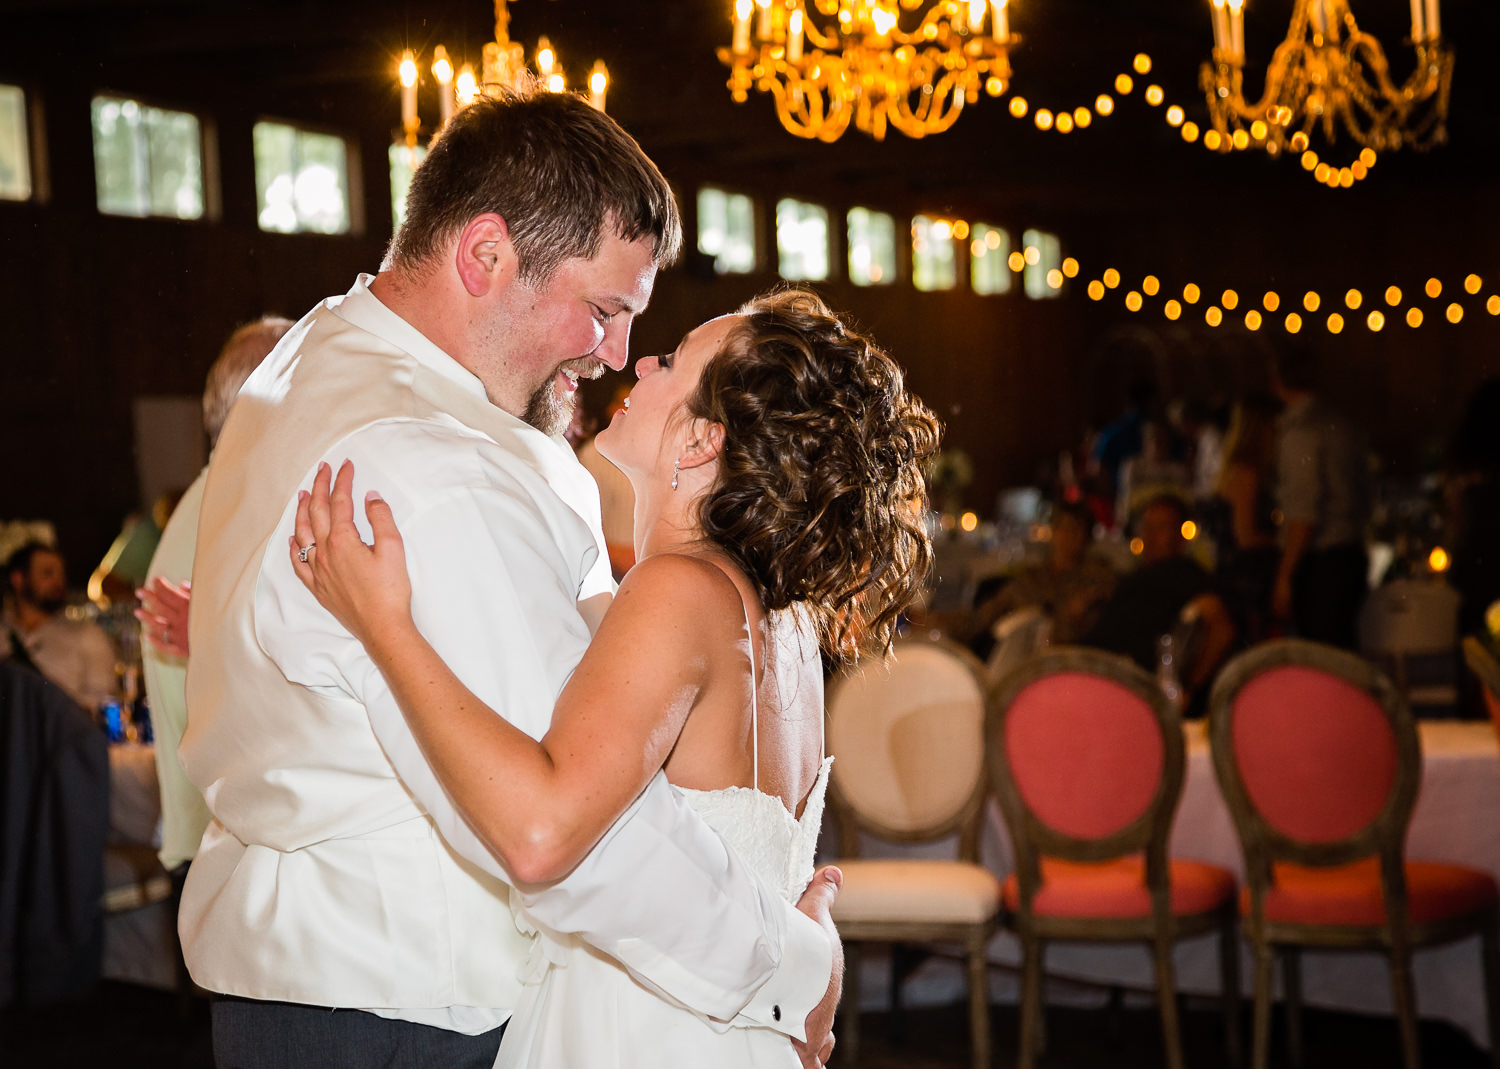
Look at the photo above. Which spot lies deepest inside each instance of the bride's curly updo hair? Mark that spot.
(820, 496)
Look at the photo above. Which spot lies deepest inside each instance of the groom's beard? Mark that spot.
(546, 410)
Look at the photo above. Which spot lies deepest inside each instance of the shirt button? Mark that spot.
(775, 1013)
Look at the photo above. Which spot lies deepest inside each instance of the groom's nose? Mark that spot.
(614, 350)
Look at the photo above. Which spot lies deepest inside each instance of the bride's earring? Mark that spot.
(676, 471)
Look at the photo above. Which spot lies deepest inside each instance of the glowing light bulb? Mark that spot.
(992, 85)
(1335, 323)
(442, 66)
(598, 82)
(1033, 255)
(1212, 316)
(1104, 104)
(555, 83)
(1293, 323)
(1133, 301)
(467, 86)
(1230, 300)
(1393, 295)
(1175, 116)
(1258, 130)
(883, 19)
(1375, 320)
(1473, 284)
(1309, 160)
(1096, 290)
(1150, 284)
(942, 230)
(1018, 107)
(1212, 140)
(1070, 267)
(1172, 310)
(1190, 132)
(1353, 299)
(1455, 312)
(408, 70)
(1064, 123)
(960, 229)
(1252, 320)
(1082, 117)
(1241, 140)
(1367, 157)
(1322, 171)
(1043, 119)
(1437, 560)
(1016, 262)
(1154, 95)
(1414, 316)
(1111, 277)
(1189, 530)
(1142, 63)
(1359, 170)
(1310, 301)
(1434, 288)
(968, 521)
(1124, 83)
(1492, 306)
(1346, 177)
(1271, 301)
(1191, 293)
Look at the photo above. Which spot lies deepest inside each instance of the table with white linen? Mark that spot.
(1455, 821)
(138, 943)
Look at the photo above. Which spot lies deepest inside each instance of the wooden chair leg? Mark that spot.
(1490, 951)
(1405, 997)
(848, 1041)
(1166, 999)
(1229, 987)
(1291, 976)
(1260, 1035)
(979, 1001)
(1032, 950)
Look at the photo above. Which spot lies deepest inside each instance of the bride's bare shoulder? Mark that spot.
(689, 586)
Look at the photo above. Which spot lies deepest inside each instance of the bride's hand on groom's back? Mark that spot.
(816, 902)
(364, 587)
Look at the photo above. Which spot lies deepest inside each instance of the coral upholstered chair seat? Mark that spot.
(1087, 760)
(1318, 758)
(908, 743)
(1117, 889)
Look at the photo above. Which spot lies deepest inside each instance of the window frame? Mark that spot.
(758, 249)
(895, 247)
(1012, 282)
(208, 157)
(830, 273)
(354, 188)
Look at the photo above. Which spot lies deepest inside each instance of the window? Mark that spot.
(933, 263)
(872, 248)
(147, 161)
(988, 249)
(404, 160)
(301, 180)
(1043, 276)
(15, 162)
(801, 240)
(726, 230)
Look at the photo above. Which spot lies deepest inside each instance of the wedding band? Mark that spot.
(304, 551)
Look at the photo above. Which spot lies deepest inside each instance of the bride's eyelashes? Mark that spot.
(665, 361)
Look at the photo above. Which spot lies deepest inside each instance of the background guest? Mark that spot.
(1242, 520)
(1148, 476)
(1167, 587)
(77, 655)
(184, 814)
(1323, 470)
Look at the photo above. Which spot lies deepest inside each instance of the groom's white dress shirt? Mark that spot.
(337, 872)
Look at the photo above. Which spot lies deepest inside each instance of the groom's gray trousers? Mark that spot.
(249, 1034)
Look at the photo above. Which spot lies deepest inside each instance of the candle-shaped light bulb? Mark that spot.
(546, 59)
(1000, 21)
(598, 84)
(555, 82)
(1237, 29)
(1434, 25)
(408, 70)
(883, 19)
(465, 86)
(763, 25)
(794, 37)
(1418, 32)
(442, 70)
(741, 43)
(976, 15)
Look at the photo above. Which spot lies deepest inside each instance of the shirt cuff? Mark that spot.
(799, 982)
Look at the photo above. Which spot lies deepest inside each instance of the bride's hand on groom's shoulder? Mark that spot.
(816, 902)
(364, 587)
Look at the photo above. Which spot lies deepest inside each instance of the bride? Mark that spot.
(776, 461)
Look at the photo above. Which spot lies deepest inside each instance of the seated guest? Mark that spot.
(75, 654)
(1149, 602)
(1071, 586)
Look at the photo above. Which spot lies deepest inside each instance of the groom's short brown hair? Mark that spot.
(553, 167)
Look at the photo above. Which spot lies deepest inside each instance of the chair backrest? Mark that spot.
(1484, 666)
(1086, 756)
(908, 736)
(1409, 616)
(1317, 757)
(1017, 636)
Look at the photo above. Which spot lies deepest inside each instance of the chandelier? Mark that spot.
(503, 67)
(1328, 74)
(908, 64)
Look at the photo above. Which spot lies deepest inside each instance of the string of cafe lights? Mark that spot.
(1263, 313)
(1065, 121)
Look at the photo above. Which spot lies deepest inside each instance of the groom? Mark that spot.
(336, 874)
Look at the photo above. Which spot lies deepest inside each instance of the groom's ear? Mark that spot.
(704, 446)
(484, 257)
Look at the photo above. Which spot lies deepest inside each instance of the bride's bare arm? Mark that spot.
(540, 806)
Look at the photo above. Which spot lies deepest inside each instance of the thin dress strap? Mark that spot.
(754, 697)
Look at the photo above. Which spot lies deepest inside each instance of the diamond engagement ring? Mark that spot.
(304, 551)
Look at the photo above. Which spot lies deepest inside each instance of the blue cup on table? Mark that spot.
(114, 720)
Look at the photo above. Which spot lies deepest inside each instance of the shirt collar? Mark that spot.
(365, 310)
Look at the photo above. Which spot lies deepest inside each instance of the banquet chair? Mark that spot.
(1487, 670)
(1409, 622)
(1318, 759)
(907, 738)
(1087, 760)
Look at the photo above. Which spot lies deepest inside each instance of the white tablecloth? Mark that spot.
(1455, 821)
(138, 944)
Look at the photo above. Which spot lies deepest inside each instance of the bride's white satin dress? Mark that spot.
(581, 1009)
